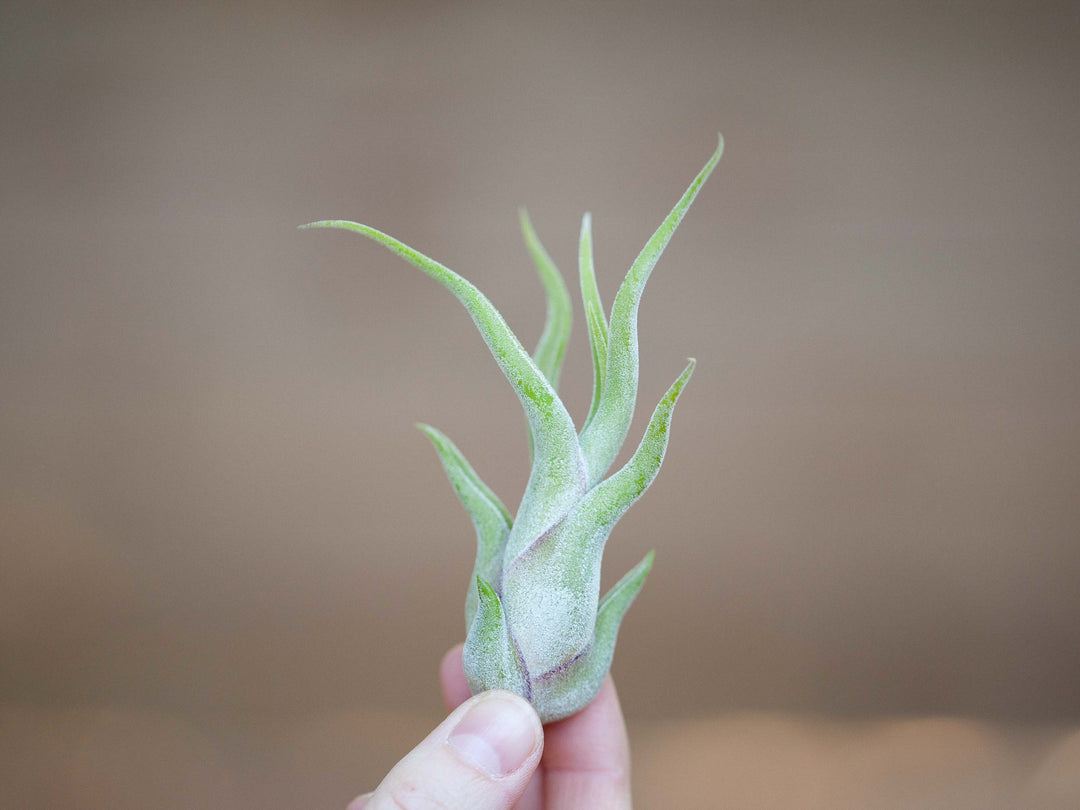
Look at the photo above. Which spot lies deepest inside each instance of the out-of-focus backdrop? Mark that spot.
(229, 562)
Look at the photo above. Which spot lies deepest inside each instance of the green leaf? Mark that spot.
(609, 500)
(562, 692)
(558, 474)
(489, 517)
(489, 658)
(616, 601)
(602, 438)
(594, 314)
(552, 345)
(550, 590)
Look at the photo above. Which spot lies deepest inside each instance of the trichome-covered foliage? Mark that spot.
(535, 623)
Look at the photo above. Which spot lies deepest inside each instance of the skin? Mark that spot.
(582, 761)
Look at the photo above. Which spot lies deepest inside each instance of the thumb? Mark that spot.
(480, 758)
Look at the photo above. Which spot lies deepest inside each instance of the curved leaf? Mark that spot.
(594, 314)
(608, 501)
(551, 348)
(489, 517)
(489, 658)
(601, 440)
(558, 474)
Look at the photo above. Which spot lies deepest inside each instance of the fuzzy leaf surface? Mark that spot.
(551, 589)
(489, 517)
(558, 473)
(562, 692)
(595, 319)
(604, 435)
(551, 348)
(489, 658)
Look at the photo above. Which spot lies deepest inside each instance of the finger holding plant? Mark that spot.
(536, 624)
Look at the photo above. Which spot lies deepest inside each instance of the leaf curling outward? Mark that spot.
(534, 619)
(490, 518)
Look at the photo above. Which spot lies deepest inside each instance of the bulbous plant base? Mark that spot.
(566, 689)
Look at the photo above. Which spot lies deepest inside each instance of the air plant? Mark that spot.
(534, 620)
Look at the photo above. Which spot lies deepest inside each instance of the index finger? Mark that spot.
(587, 756)
(455, 689)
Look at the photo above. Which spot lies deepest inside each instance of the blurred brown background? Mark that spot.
(229, 563)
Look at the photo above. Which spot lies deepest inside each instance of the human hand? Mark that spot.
(491, 753)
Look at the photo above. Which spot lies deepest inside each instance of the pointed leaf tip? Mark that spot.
(322, 223)
(558, 475)
(489, 658)
(608, 501)
(595, 319)
(490, 518)
(484, 590)
(552, 344)
(605, 432)
(624, 591)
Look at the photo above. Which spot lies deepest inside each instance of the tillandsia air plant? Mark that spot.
(534, 620)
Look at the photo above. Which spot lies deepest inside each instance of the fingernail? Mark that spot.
(496, 735)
